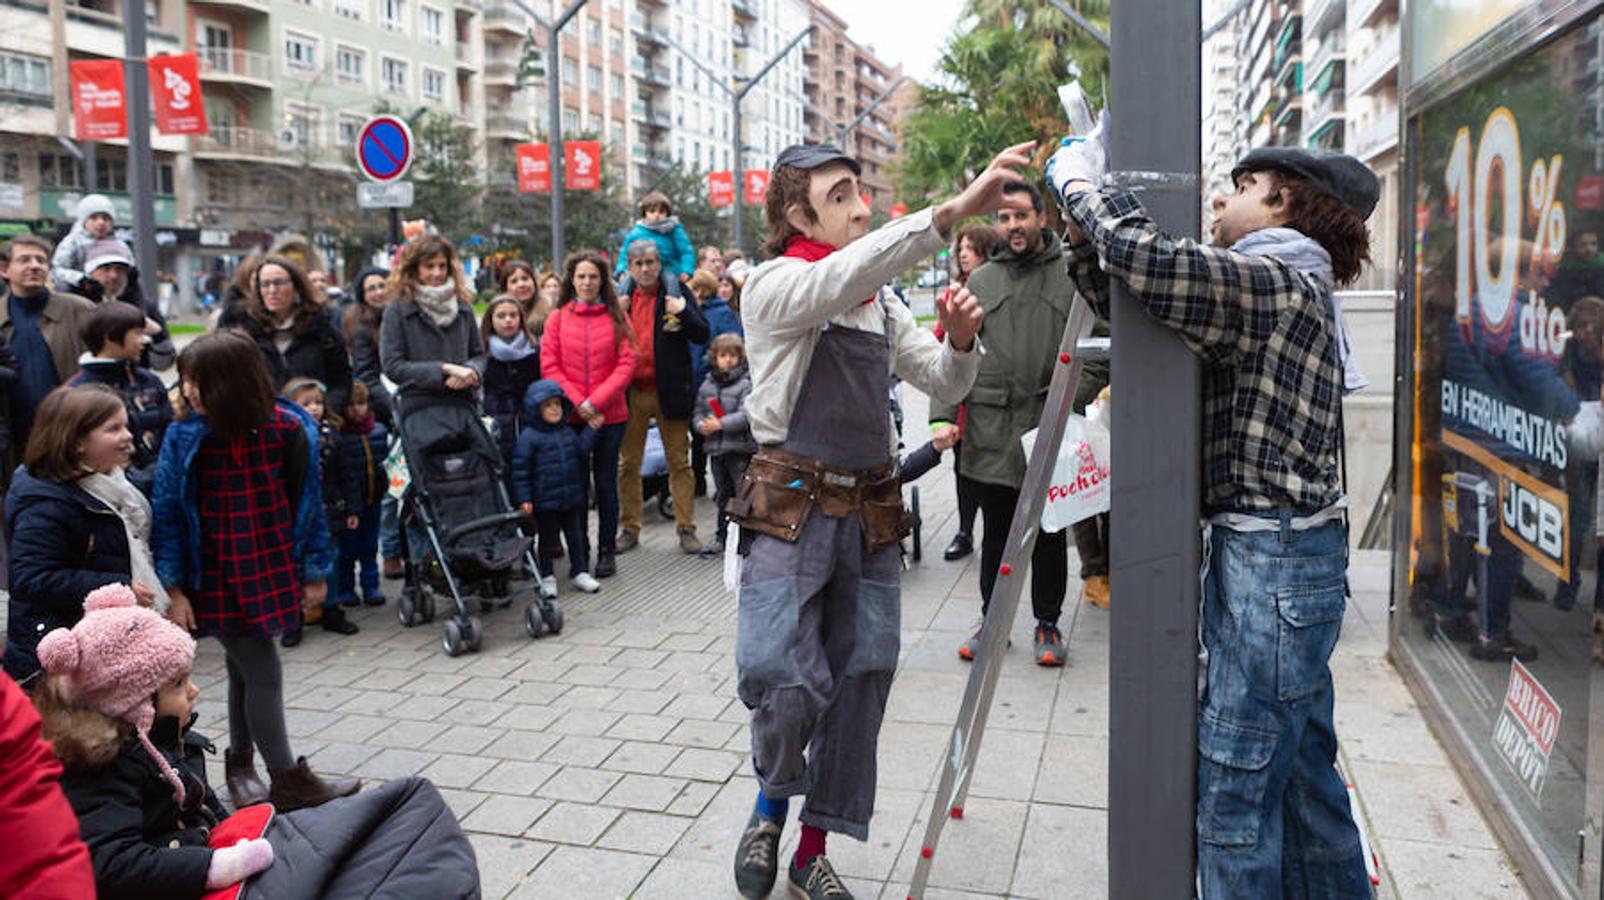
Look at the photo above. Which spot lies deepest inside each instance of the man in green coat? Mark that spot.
(1026, 293)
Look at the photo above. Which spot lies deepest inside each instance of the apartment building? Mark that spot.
(1373, 35)
(1325, 40)
(843, 79)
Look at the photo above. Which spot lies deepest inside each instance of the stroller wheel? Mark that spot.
(532, 621)
(473, 633)
(407, 608)
(665, 505)
(553, 614)
(451, 638)
(918, 527)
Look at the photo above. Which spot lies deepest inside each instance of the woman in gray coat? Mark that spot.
(429, 333)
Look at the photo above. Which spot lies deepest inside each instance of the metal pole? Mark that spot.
(395, 228)
(884, 96)
(1154, 537)
(735, 101)
(91, 164)
(141, 167)
(554, 105)
(1085, 24)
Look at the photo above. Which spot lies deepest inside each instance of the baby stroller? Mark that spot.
(458, 498)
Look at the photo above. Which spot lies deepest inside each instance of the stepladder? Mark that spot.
(963, 748)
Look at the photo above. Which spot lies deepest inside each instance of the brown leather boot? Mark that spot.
(245, 787)
(299, 788)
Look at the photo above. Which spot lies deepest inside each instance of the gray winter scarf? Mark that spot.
(511, 351)
(661, 226)
(118, 493)
(1306, 255)
(438, 303)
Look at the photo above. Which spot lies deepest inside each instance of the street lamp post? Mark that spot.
(555, 111)
(141, 166)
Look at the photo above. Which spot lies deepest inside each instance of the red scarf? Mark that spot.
(810, 250)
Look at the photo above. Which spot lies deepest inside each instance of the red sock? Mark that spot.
(810, 845)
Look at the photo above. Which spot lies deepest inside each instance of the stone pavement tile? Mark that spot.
(422, 707)
(649, 702)
(520, 744)
(897, 891)
(408, 735)
(1081, 707)
(977, 853)
(1422, 803)
(910, 754)
(452, 770)
(338, 757)
(579, 784)
(894, 813)
(354, 728)
(298, 722)
(653, 793)
(685, 879)
(696, 683)
(613, 658)
(640, 727)
(393, 763)
(515, 777)
(1074, 771)
(698, 706)
(373, 702)
(644, 832)
(528, 716)
(383, 680)
(699, 733)
(436, 684)
(474, 712)
(695, 643)
(712, 838)
(593, 675)
(461, 802)
(1423, 870)
(694, 798)
(504, 863)
(643, 757)
(318, 696)
(705, 765)
(691, 662)
(585, 697)
(591, 635)
(1064, 854)
(932, 697)
(573, 823)
(539, 671)
(504, 814)
(573, 872)
(1008, 763)
(584, 721)
(484, 688)
(483, 666)
(640, 639)
(580, 750)
(735, 712)
(465, 739)
(1024, 702)
(639, 679)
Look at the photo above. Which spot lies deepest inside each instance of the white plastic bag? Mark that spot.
(732, 558)
(1079, 488)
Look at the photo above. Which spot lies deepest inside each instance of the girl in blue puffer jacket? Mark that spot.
(548, 482)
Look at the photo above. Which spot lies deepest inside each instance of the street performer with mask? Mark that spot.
(821, 505)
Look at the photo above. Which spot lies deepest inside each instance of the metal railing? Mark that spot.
(507, 123)
(235, 62)
(1374, 64)
(1377, 136)
(238, 141)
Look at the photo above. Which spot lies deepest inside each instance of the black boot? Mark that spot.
(334, 620)
(606, 567)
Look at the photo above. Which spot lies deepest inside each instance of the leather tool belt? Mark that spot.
(780, 489)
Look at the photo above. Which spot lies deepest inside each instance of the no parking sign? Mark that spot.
(384, 149)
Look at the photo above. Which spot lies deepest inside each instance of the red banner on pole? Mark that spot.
(534, 168)
(756, 186)
(582, 165)
(721, 188)
(99, 106)
(175, 89)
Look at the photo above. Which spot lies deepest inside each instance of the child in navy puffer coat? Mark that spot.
(548, 481)
(363, 444)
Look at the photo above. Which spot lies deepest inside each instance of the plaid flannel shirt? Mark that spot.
(1266, 335)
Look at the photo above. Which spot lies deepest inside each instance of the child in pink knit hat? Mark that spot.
(117, 703)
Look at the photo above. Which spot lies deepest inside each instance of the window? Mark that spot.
(593, 34)
(570, 70)
(615, 41)
(300, 52)
(617, 134)
(593, 79)
(351, 9)
(618, 86)
(395, 76)
(593, 125)
(434, 84)
(27, 75)
(433, 25)
(60, 170)
(302, 121)
(164, 179)
(392, 14)
(10, 167)
(221, 188)
(347, 128)
(570, 120)
(350, 65)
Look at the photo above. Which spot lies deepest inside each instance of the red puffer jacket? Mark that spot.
(44, 859)
(577, 352)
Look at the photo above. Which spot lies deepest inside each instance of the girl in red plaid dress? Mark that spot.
(238, 536)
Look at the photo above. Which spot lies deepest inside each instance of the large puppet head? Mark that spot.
(814, 192)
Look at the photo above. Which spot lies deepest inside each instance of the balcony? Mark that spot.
(1321, 14)
(466, 56)
(1376, 66)
(501, 71)
(647, 34)
(655, 77)
(503, 17)
(652, 118)
(252, 6)
(1376, 137)
(226, 65)
(1366, 13)
(506, 125)
(744, 9)
(470, 5)
(1331, 51)
(233, 142)
(738, 37)
(1288, 112)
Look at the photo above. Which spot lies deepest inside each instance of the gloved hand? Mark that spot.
(239, 862)
(1079, 158)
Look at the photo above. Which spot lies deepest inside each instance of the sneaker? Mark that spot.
(713, 550)
(606, 566)
(334, 620)
(688, 543)
(1049, 645)
(1502, 649)
(968, 649)
(548, 587)
(817, 881)
(755, 867)
(1095, 591)
(627, 541)
(586, 583)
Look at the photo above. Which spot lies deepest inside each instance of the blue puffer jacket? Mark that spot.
(175, 522)
(720, 320)
(546, 469)
(64, 544)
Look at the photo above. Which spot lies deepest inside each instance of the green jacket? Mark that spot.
(1027, 299)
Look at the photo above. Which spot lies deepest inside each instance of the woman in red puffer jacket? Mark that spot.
(589, 351)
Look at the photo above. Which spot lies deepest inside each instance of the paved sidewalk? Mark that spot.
(612, 761)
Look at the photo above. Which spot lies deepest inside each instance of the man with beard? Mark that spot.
(1026, 293)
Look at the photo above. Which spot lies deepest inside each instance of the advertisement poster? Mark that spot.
(721, 188)
(582, 165)
(99, 112)
(176, 95)
(757, 186)
(534, 168)
(1528, 724)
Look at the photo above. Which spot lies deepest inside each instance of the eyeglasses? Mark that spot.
(273, 283)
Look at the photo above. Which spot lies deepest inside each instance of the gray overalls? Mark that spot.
(820, 617)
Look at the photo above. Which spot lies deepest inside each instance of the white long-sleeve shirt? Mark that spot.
(787, 302)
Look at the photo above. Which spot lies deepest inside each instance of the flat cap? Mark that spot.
(1337, 174)
(812, 156)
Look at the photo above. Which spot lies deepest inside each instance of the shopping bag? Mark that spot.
(1079, 488)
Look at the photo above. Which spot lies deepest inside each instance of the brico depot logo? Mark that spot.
(583, 161)
(530, 165)
(178, 89)
(1528, 724)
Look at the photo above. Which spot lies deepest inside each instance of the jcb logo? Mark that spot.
(1536, 523)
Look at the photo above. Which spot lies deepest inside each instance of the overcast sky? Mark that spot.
(910, 32)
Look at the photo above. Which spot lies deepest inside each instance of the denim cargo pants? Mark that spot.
(1273, 818)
